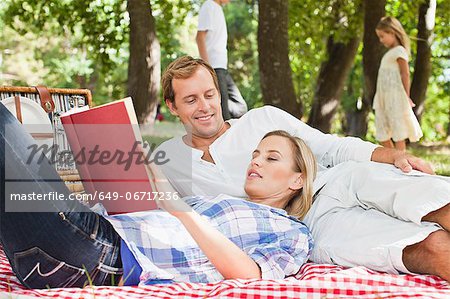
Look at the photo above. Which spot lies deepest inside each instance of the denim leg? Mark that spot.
(65, 243)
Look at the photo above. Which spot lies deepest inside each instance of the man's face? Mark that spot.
(197, 104)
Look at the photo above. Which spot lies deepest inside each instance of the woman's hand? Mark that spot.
(170, 201)
(173, 205)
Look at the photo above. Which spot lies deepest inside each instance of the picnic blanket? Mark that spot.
(312, 281)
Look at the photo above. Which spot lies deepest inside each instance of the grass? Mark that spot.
(155, 140)
(437, 154)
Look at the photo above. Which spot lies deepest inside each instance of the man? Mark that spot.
(212, 46)
(213, 156)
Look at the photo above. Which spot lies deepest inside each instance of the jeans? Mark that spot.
(232, 102)
(65, 244)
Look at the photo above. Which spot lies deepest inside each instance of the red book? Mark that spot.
(106, 145)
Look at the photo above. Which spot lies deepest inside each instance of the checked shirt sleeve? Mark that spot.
(284, 257)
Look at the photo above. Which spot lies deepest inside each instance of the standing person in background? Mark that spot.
(394, 118)
(212, 46)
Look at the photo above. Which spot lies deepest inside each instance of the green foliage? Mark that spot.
(79, 43)
(170, 18)
(436, 114)
(310, 25)
(437, 103)
(101, 27)
(85, 44)
(242, 25)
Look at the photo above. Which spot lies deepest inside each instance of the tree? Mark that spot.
(331, 82)
(422, 66)
(334, 70)
(273, 47)
(104, 32)
(144, 68)
(372, 53)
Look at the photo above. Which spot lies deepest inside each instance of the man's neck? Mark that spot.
(203, 143)
(218, 2)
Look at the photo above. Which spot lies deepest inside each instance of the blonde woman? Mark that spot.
(226, 237)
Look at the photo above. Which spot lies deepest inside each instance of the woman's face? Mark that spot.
(271, 178)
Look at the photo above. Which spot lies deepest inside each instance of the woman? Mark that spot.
(225, 237)
(64, 245)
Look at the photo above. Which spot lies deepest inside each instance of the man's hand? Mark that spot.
(405, 162)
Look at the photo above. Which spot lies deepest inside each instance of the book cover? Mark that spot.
(106, 145)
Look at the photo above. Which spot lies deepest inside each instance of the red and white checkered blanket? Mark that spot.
(312, 281)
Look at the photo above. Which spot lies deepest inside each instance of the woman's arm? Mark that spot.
(226, 256)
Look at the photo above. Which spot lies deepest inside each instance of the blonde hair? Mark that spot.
(305, 163)
(183, 68)
(392, 25)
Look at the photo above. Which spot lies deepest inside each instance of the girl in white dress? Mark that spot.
(394, 118)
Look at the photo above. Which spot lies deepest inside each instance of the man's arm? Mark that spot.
(331, 150)
(201, 44)
(401, 160)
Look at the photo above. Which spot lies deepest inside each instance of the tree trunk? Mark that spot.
(422, 66)
(448, 125)
(144, 70)
(273, 48)
(330, 83)
(372, 53)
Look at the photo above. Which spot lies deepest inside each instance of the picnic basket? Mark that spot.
(54, 102)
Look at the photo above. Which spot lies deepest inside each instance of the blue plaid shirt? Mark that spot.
(165, 250)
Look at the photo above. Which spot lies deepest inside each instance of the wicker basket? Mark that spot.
(64, 99)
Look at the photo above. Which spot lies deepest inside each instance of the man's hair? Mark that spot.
(304, 162)
(183, 68)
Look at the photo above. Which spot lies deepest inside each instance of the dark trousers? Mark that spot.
(63, 242)
(232, 102)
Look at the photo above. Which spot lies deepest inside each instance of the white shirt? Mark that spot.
(232, 151)
(212, 20)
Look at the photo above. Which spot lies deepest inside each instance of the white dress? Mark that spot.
(394, 117)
